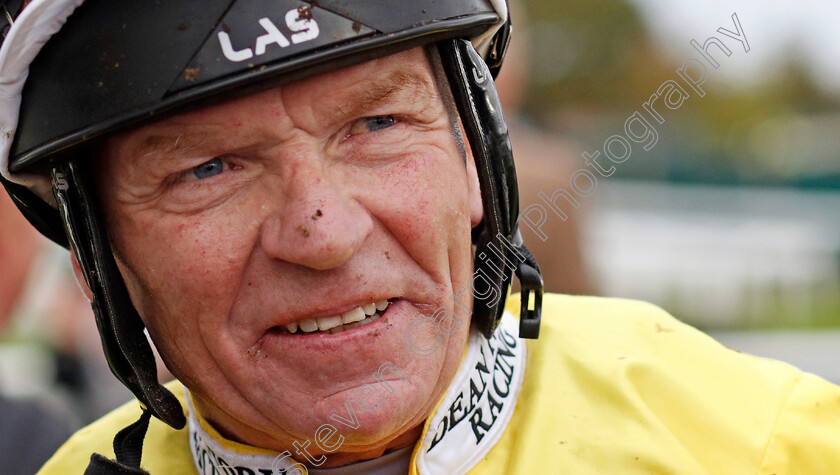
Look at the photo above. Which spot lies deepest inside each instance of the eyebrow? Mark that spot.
(154, 144)
(156, 147)
(397, 82)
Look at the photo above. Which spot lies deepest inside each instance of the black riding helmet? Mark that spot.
(72, 71)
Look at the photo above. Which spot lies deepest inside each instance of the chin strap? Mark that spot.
(128, 447)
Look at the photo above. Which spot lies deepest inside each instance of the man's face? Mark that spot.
(304, 202)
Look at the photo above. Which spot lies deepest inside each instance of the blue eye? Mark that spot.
(379, 123)
(372, 124)
(209, 169)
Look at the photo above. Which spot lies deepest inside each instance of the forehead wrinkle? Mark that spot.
(411, 85)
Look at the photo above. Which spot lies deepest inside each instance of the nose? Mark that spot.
(318, 224)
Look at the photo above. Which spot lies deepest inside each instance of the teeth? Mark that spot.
(360, 324)
(329, 322)
(308, 325)
(357, 317)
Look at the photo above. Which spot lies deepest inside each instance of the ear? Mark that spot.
(80, 277)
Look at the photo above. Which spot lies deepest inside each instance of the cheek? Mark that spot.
(183, 267)
(423, 201)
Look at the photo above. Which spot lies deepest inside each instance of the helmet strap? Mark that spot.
(128, 447)
(122, 331)
(499, 250)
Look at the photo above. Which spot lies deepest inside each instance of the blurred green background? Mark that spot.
(732, 220)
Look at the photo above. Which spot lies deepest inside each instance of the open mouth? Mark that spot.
(357, 317)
